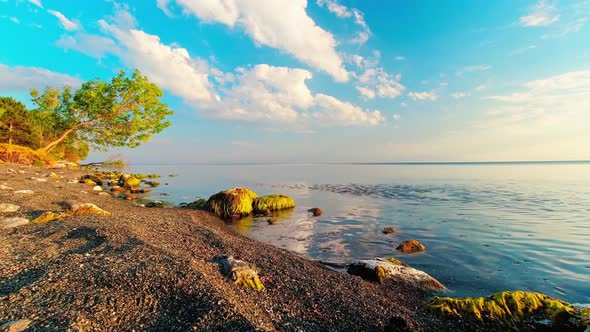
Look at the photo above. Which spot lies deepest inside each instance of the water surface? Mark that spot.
(486, 227)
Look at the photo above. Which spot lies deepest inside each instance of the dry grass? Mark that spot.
(17, 154)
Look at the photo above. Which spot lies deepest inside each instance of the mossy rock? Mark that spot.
(515, 310)
(236, 202)
(128, 181)
(47, 217)
(272, 202)
(199, 204)
(141, 176)
(91, 179)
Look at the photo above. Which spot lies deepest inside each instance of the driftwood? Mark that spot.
(242, 273)
(378, 270)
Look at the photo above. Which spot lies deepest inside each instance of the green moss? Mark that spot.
(232, 202)
(509, 306)
(141, 176)
(153, 176)
(152, 183)
(272, 202)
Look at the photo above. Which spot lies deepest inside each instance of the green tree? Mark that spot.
(126, 111)
(15, 122)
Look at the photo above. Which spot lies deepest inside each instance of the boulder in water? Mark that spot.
(316, 211)
(272, 202)
(411, 246)
(236, 202)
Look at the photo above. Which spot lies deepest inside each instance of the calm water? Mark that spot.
(486, 227)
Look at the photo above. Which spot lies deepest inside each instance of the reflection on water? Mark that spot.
(486, 227)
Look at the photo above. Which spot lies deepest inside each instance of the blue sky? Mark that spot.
(325, 80)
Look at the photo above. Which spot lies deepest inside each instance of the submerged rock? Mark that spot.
(316, 211)
(516, 310)
(199, 204)
(272, 221)
(7, 207)
(240, 272)
(235, 202)
(379, 270)
(13, 222)
(272, 202)
(389, 230)
(410, 247)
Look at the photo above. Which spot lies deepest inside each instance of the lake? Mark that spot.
(487, 227)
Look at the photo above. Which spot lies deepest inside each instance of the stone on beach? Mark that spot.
(7, 207)
(84, 209)
(97, 188)
(54, 176)
(24, 192)
(92, 179)
(16, 325)
(410, 247)
(240, 272)
(13, 222)
(47, 217)
(379, 270)
(5, 187)
(128, 181)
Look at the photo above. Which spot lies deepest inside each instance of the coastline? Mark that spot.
(152, 268)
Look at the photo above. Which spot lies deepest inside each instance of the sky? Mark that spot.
(296, 81)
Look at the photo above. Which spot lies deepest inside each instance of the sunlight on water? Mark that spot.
(486, 228)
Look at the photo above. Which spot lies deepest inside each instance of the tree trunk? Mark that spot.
(47, 148)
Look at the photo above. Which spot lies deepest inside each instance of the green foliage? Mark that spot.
(15, 122)
(232, 202)
(272, 202)
(126, 111)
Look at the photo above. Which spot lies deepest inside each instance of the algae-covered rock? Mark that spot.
(94, 179)
(379, 270)
(128, 181)
(515, 310)
(272, 202)
(236, 202)
(240, 272)
(199, 204)
(410, 246)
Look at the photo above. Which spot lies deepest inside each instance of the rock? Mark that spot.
(73, 181)
(272, 221)
(515, 310)
(155, 204)
(7, 208)
(16, 325)
(97, 188)
(47, 217)
(97, 180)
(4, 187)
(145, 191)
(89, 182)
(397, 324)
(25, 192)
(199, 204)
(240, 272)
(389, 230)
(272, 202)
(396, 261)
(117, 188)
(128, 197)
(410, 247)
(40, 179)
(85, 209)
(102, 193)
(152, 184)
(128, 181)
(54, 176)
(10, 171)
(379, 270)
(316, 211)
(236, 202)
(13, 222)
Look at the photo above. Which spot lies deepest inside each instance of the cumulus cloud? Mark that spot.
(271, 94)
(543, 13)
(20, 78)
(265, 22)
(183, 75)
(89, 44)
(366, 92)
(65, 22)
(374, 80)
(424, 95)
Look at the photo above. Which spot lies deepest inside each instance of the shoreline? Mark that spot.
(152, 268)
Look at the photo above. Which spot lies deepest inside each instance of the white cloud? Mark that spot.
(523, 50)
(481, 87)
(93, 45)
(366, 92)
(36, 3)
(344, 12)
(555, 97)
(270, 94)
(396, 117)
(264, 21)
(424, 95)
(459, 95)
(65, 22)
(182, 75)
(375, 78)
(20, 78)
(544, 13)
(399, 58)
